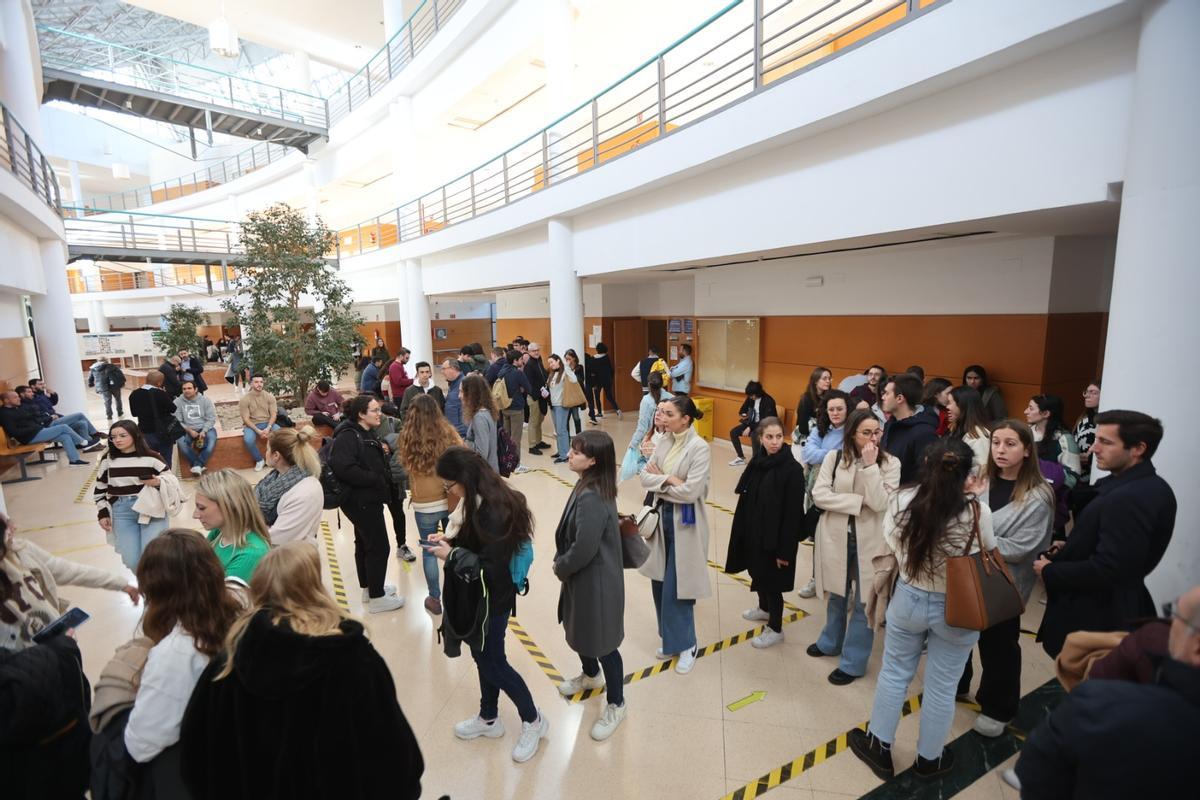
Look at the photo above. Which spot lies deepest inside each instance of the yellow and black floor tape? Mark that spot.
(335, 571)
(785, 772)
(742, 579)
(549, 474)
(535, 652)
(87, 485)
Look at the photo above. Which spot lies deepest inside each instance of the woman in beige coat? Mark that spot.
(678, 475)
(852, 489)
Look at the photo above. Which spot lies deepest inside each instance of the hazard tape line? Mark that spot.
(88, 483)
(1029, 633)
(747, 582)
(335, 571)
(535, 652)
(801, 764)
(549, 474)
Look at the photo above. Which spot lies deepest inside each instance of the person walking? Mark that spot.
(358, 460)
(678, 476)
(588, 562)
(425, 436)
(496, 523)
(238, 532)
(852, 488)
(127, 466)
(154, 409)
(198, 416)
(923, 526)
(481, 418)
(107, 379)
(290, 496)
(556, 381)
(599, 371)
(765, 535)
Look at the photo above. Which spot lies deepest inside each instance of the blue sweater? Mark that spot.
(817, 445)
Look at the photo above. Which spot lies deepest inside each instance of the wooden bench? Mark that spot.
(19, 453)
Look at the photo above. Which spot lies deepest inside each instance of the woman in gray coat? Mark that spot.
(479, 414)
(587, 559)
(1022, 506)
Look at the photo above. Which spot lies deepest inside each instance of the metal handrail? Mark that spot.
(24, 159)
(739, 51)
(131, 67)
(122, 278)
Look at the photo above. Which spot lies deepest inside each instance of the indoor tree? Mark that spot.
(285, 266)
(182, 323)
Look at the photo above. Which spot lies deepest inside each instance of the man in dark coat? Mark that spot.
(172, 384)
(190, 364)
(1096, 581)
(1119, 739)
(909, 431)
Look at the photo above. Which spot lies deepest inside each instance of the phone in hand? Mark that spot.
(72, 619)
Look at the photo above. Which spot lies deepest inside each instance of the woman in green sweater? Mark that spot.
(237, 530)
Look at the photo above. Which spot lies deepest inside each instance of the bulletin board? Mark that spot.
(729, 356)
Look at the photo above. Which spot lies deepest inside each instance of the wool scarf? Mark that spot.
(271, 488)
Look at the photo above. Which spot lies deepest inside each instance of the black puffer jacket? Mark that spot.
(358, 461)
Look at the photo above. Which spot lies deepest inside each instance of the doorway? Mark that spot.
(656, 336)
(628, 347)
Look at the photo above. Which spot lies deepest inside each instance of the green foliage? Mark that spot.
(285, 268)
(182, 322)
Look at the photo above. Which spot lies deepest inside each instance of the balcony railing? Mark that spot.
(24, 159)
(739, 51)
(150, 234)
(189, 278)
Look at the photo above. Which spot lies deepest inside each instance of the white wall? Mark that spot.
(1083, 274)
(459, 309)
(22, 264)
(523, 303)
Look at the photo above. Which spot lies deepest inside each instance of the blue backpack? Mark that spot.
(519, 564)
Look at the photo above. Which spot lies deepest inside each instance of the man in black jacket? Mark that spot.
(535, 373)
(757, 406)
(193, 366)
(1120, 739)
(22, 425)
(909, 430)
(1096, 581)
(172, 384)
(422, 385)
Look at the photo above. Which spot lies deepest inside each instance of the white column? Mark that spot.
(393, 18)
(302, 77)
(414, 325)
(1152, 317)
(557, 55)
(54, 324)
(403, 148)
(18, 86)
(566, 291)
(76, 185)
(312, 194)
(97, 319)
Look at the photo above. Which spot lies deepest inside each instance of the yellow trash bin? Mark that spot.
(704, 427)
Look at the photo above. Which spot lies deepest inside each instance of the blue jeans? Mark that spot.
(201, 458)
(250, 438)
(427, 523)
(561, 435)
(915, 616)
(131, 536)
(855, 639)
(676, 617)
(64, 436)
(496, 674)
(78, 423)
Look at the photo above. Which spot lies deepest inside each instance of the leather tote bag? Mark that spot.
(634, 550)
(980, 591)
(572, 394)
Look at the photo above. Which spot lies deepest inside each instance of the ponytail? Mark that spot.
(294, 446)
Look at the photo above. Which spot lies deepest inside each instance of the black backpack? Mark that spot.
(334, 490)
(113, 376)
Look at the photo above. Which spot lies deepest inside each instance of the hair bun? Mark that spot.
(950, 461)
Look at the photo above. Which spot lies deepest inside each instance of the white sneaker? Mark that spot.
(809, 589)
(767, 638)
(579, 683)
(610, 719)
(258, 465)
(737, 462)
(1009, 776)
(475, 727)
(520, 470)
(755, 615)
(197, 470)
(991, 728)
(618, 413)
(661, 656)
(532, 734)
(687, 660)
(388, 589)
(389, 602)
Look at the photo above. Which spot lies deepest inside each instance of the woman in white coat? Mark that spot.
(291, 497)
(678, 476)
(852, 488)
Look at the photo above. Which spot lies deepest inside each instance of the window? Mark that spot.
(728, 351)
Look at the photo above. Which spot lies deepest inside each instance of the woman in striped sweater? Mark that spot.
(127, 466)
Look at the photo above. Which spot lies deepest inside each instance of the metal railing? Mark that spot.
(127, 66)
(237, 165)
(737, 52)
(198, 279)
(24, 159)
(152, 233)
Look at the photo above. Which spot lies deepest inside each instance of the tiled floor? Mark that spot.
(679, 740)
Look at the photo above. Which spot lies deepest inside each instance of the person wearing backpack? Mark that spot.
(512, 384)
(480, 416)
(496, 526)
(107, 379)
(358, 461)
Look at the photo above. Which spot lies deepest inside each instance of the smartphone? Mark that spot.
(72, 619)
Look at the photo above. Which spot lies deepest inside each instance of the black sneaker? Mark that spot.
(406, 554)
(839, 678)
(80, 463)
(816, 652)
(872, 752)
(533, 451)
(932, 767)
(92, 448)
(542, 445)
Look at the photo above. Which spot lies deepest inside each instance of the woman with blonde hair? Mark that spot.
(237, 531)
(480, 416)
(290, 497)
(295, 662)
(426, 435)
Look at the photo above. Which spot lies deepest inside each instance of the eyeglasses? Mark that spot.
(1172, 611)
(1091, 392)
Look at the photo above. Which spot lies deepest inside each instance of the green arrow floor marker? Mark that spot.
(753, 697)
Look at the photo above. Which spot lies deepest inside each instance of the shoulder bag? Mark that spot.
(812, 517)
(572, 394)
(980, 591)
(634, 550)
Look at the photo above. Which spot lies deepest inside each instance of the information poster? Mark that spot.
(123, 344)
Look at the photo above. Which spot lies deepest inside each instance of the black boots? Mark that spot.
(928, 768)
(872, 752)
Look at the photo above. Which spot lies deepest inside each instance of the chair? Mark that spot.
(20, 452)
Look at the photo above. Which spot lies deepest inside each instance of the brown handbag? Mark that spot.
(572, 394)
(980, 591)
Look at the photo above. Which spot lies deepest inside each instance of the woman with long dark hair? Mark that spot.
(766, 528)
(924, 525)
(852, 488)
(495, 524)
(976, 377)
(1022, 506)
(825, 437)
(1054, 442)
(127, 466)
(936, 396)
(587, 559)
(655, 394)
(819, 382)
(556, 381)
(572, 361)
(481, 418)
(965, 413)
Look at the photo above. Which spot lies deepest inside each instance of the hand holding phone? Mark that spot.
(68, 621)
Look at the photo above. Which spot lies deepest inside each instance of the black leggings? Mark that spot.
(735, 436)
(399, 525)
(772, 603)
(614, 675)
(593, 395)
(1000, 665)
(370, 545)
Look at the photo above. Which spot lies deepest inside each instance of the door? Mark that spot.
(628, 347)
(656, 335)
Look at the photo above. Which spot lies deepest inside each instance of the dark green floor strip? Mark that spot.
(975, 755)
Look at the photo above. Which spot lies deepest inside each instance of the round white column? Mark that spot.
(54, 324)
(414, 326)
(566, 291)
(302, 78)
(18, 86)
(1153, 326)
(393, 18)
(97, 319)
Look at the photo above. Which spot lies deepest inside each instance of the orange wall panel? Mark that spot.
(535, 329)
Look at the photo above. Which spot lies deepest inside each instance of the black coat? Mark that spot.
(1096, 582)
(21, 422)
(1117, 739)
(153, 409)
(172, 383)
(907, 438)
(535, 373)
(196, 367)
(358, 461)
(766, 408)
(300, 716)
(599, 369)
(767, 521)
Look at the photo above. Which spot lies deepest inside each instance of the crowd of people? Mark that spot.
(892, 476)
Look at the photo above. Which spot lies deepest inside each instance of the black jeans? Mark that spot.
(162, 445)
(735, 436)
(614, 675)
(594, 404)
(1000, 662)
(772, 603)
(370, 545)
(496, 674)
(399, 525)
